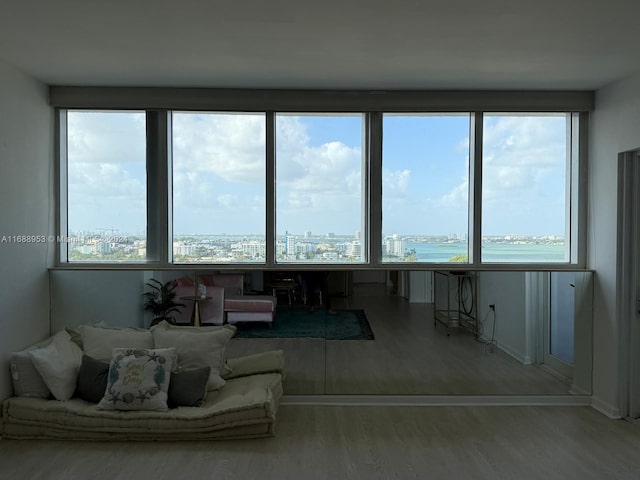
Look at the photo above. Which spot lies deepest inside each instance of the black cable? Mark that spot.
(462, 294)
(492, 341)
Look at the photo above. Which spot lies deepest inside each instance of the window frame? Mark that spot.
(158, 104)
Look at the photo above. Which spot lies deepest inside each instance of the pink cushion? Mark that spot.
(233, 283)
(250, 303)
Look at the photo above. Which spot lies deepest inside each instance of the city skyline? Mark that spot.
(308, 248)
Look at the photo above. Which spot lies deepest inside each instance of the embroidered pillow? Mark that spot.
(138, 379)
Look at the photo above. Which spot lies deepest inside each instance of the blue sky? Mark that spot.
(219, 173)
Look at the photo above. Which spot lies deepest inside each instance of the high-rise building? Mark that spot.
(254, 249)
(354, 249)
(290, 244)
(395, 245)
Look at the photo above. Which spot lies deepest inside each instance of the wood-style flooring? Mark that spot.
(324, 442)
(408, 356)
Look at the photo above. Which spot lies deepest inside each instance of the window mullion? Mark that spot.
(373, 172)
(270, 190)
(62, 185)
(475, 189)
(158, 193)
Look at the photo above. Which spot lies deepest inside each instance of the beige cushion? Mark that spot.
(197, 347)
(27, 381)
(98, 342)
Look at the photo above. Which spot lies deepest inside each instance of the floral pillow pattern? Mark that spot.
(139, 379)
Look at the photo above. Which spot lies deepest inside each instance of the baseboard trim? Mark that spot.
(523, 359)
(606, 409)
(438, 400)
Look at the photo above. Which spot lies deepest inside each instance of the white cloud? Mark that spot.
(524, 174)
(458, 196)
(100, 137)
(311, 175)
(521, 154)
(231, 146)
(106, 164)
(395, 183)
(105, 195)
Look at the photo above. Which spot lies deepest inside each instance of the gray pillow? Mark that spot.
(92, 379)
(188, 388)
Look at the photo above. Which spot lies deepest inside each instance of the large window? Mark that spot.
(218, 187)
(106, 181)
(425, 188)
(525, 200)
(320, 210)
(366, 186)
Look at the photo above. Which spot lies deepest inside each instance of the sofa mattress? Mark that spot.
(244, 408)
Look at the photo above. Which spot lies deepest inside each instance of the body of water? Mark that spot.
(491, 252)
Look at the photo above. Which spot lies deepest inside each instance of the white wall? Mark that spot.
(112, 297)
(614, 128)
(26, 200)
(507, 291)
(420, 287)
(93, 296)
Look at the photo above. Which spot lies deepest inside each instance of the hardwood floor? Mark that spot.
(408, 356)
(322, 442)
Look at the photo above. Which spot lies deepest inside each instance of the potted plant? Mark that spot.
(160, 301)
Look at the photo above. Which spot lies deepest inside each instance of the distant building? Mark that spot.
(290, 244)
(102, 247)
(354, 249)
(182, 249)
(254, 249)
(395, 245)
(306, 247)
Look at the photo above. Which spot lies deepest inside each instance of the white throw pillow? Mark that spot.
(59, 363)
(99, 342)
(138, 379)
(27, 381)
(197, 347)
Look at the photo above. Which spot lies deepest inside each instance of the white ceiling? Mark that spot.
(332, 44)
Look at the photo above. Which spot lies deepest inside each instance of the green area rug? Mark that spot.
(299, 323)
